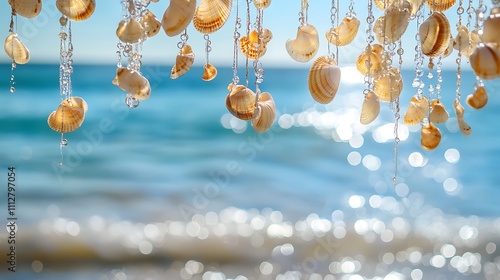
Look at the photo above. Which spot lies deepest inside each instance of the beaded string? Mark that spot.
(65, 71)
(236, 38)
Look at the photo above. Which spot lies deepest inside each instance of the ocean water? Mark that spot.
(179, 189)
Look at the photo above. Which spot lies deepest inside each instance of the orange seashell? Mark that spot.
(435, 34)
(344, 33)
(393, 24)
(485, 61)
(440, 5)
(132, 82)
(183, 62)
(438, 112)
(130, 31)
(430, 136)
(240, 102)
(26, 8)
(151, 24)
(76, 9)
(250, 46)
(324, 79)
(491, 27)
(69, 115)
(209, 72)
(211, 15)
(478, 99)
(265, 113)
(261, 4)
(460, 111)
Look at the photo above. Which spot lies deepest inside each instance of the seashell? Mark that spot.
(264, 114)
(250, 46)
(393, 24)
(478, 99)
(417, 111)
(16, 50)
(177, 16)
(324, 79)
(261, 4)
(344, 33)
(430, 136)
(370, 108)
(450, 48)
(209, 72)
(383, 4)
(485, 61)
(491, 27)
(435, 34)
(26, 8)
(460, 111)
(266, 35)
(305, 45)
(132, 82)
(240, 102)
(388, 85)
(183, 62)
(438, 112)
(211, 15)
(130, 31)
(151, 24)
(76, 9)
(415, 5)
(466, 42)
(440, 5)
(375, 52)
(69, 115)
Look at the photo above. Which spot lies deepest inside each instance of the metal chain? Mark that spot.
(369, 40)
(333, 19)
(418, 83)
(236, 38)
(248, 34)
(460, 11)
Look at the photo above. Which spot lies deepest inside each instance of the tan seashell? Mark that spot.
(69, 115)
(261, 4)
(460, 111)
(211, 15)
(450, 48)
(485, 61)
(375, 60)
(430, 136)
(465, 42)
(491, 27)
(478, 99)
(305, 45)
(438, 112)
(266, 35)
(393, 24)
(250, 46)
(370, 108)
(415, 5)
(344, 33)
(240, 102)
(440, 5)
(177, 16)
(183, 62)
(130, 31)
(16, 50)
(132, 82)
(324, 79)
(417, 111)
(151, 24)
(264, 114)
(388, 85)
(76, 9)
(435, 34)
(209, 72)
(26, 8)
(383, 4)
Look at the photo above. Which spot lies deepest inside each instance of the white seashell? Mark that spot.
(376, 56)
(370, 108)
(183, 62)
(265, 113)
(132, 82)
(177, 16)
(16, 50)
(344, 33)
(438, 112)
(305, 46)
(76, 9)
(324, 79)
(26, 8)
(417, 111)
(393, 24)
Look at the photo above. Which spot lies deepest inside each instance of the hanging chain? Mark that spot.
(13, 29)
(236, 38)
(333, 19)
(249, 24)
(370, 19)
(257, 65)
(478, 26)
(351, 13)
(418, 83)
(208, 47)
(65, 70)
(303, 14)
(460, 11)
(184, 38)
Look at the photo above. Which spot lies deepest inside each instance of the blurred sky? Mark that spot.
(95, 39)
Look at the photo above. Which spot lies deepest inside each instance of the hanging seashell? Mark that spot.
(76, 9)
(264, 114)
(460, 111)
(183, 62)
(430, 136)
(305, 45)
(449, 49)
(344, 33)
(383, 4)
(69, 115)
(250, 46)
(440, 5)
(261, 4)
(417, 111)
(393, 24)
(240, 102)
(177, 16)
(478, 99)
(211, 15)
(438, 112)
(465, 42)
(266, 35)
(415, 5)
(435, 34)
(16, 50)
(151, 24)
(388, 85)
(324, 79)
(209, 72)
(132, 82)
(485, 61)
(376, 53)
(370, 108)
(491, 27)
(130, 31)
(26, 8)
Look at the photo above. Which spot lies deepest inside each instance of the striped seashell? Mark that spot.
(132, 82)
(435, 34)
(265, 113)
(305, 45)
(16, 49)
(183, 62)
(211, 15)
(240, 102)
(370, 108)
(177, 16)
(324, 79)
(76, 10)
(69, 115)
(375, 58)
(250, 46)
(393, 24)
(26, 8)
(440, 5)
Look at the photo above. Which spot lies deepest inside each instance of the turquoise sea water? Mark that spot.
(178, 189)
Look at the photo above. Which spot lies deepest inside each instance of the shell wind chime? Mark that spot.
(305, 45)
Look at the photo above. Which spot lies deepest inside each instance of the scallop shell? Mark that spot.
(250, 46)
(264, 114)
(430, 136)
(417, 111)
(305, 45)
(344, 33)
(324, 79)
(388, 85)
(130, 31)
(383, 4)
(485, 61)
(438, 112)
(209, 72)
(435, 34)
(69, 115)
(460, 111)
(177, 16)
(132, 82)
(375, 60)
(393, 24)
(183, 62)
(261, 4)
(26, 8)
(16, 50)
(491, 27)
(76, 9)
(240, 102)
(478, 99)
(211, 15)
(440, 5)
(151, 24)
(370, 108)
